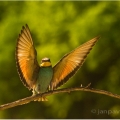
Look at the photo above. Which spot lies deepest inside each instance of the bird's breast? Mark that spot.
(44, 79)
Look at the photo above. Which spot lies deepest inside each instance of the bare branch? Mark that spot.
(38, 96)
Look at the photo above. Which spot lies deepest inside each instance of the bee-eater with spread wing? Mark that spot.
(40, 77)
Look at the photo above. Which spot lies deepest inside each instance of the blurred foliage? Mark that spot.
(58, 28)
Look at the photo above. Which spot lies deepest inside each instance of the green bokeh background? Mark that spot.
(58, 28)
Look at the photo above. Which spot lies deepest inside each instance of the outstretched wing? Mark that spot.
(26, 60)
(70, 63)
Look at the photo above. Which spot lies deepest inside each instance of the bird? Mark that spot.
(41, 77)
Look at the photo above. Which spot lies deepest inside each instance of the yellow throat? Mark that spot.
(45, 64)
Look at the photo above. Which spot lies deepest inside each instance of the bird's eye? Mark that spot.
(45, 60)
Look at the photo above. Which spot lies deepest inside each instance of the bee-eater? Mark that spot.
(40, 77)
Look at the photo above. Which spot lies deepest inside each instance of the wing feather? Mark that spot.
(26, 58)
(70, 63)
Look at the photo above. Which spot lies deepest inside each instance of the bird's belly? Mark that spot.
(44, 79)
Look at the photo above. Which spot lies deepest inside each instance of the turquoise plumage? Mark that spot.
(43, 80)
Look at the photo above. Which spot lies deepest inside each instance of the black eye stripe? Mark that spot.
(45, 60)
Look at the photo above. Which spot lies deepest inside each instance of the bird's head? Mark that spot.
(45, 62)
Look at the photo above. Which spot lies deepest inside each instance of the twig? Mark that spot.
(38, 96)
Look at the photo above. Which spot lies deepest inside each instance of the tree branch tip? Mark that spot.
(88, 86)
(81, 85)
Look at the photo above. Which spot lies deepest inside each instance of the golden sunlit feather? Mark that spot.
(70, 63)
(26, 58)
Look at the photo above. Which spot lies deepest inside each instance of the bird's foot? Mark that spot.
(42, 99)
(39, 99)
